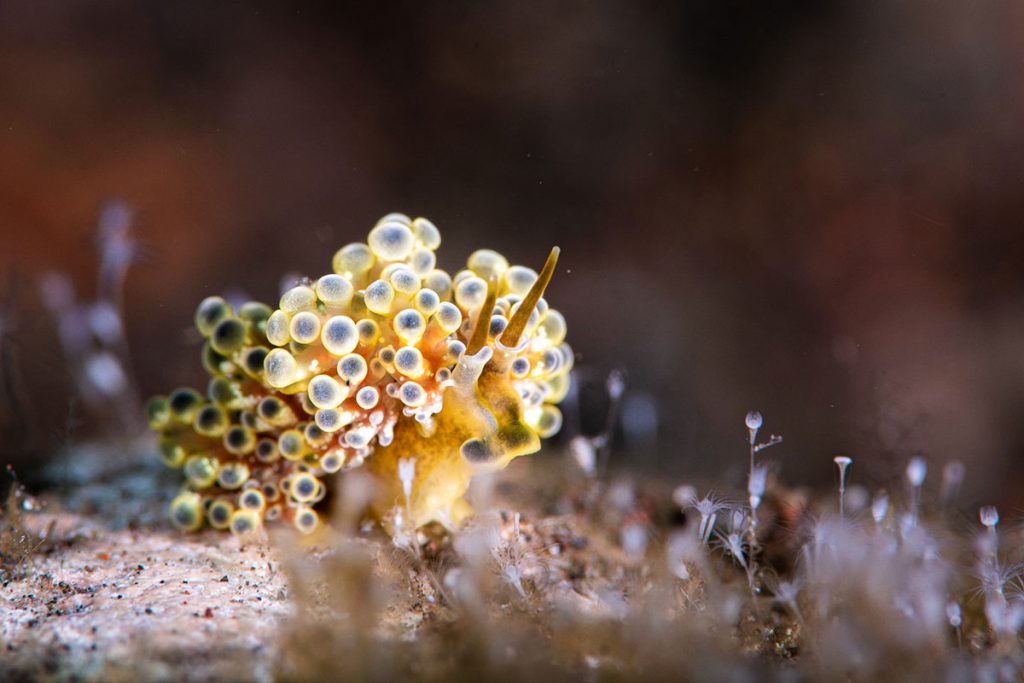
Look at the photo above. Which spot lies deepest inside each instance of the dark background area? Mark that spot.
(810, 208)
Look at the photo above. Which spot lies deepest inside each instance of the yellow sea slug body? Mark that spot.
(389, 364)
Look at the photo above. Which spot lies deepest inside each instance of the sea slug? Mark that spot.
(389, 364)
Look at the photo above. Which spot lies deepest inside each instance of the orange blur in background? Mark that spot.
(813, 209)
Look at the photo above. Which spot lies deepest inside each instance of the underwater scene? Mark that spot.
(495, 341)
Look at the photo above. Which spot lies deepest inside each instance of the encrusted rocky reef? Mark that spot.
(562, 575)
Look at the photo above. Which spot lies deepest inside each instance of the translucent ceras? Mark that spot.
(389, 364)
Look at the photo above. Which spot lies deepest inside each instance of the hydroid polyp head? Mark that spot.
(917, 469)
(989, 516)
(843, 463)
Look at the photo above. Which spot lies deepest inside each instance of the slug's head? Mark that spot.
(526, 373)
(510, 367)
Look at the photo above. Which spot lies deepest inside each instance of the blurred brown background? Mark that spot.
(810, 208)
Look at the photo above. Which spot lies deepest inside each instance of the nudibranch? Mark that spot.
(388, 364)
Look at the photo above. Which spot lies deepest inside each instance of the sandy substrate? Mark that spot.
(115, 594)
(556, 578)
(134, 605)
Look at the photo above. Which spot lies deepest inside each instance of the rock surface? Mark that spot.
(132, 605)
